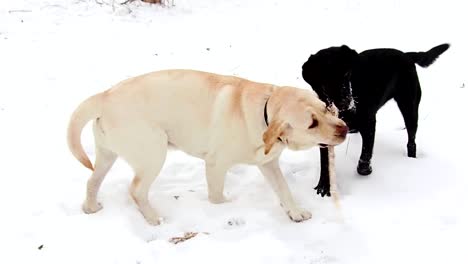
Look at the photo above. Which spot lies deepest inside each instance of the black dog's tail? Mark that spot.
(425, 59)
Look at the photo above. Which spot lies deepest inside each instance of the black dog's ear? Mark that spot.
(307, 63)
(348, 49)
(344, 47)
(352, 53)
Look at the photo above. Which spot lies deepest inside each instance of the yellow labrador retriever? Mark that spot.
(224, 120)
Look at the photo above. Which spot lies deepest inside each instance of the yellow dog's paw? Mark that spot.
(218, 199)
(91, 208)
(299, 215)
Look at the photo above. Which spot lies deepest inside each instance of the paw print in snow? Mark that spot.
(234, 222)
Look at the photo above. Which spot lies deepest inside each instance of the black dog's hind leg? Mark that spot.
(367, 130)
(323, 186)
(409, 105)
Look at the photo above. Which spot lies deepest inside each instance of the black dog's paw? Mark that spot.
(411, 150)
(323, 189)
(364, 168)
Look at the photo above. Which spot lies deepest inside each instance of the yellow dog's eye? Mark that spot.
(314, 123)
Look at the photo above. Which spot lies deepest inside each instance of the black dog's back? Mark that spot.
(381, 74)
(376, 76)
(423, 59)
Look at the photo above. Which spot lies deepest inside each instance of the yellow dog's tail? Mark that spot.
(88, 110)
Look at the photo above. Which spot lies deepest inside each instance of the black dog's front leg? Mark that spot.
(367, 130)
(323, 186)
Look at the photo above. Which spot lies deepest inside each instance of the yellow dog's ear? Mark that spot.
(275, 130)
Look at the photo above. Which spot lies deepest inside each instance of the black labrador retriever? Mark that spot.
(359, 85)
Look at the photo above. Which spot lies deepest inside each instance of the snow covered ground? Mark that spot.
(55, 53)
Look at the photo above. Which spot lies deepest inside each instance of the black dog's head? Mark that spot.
(329, 72)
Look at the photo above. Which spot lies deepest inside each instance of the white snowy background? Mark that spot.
(55, 53)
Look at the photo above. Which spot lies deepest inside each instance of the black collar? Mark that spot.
(265, 114)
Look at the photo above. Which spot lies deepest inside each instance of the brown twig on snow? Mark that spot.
(153, 1)
(187, 236)
(159, 2)
(127, 2)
